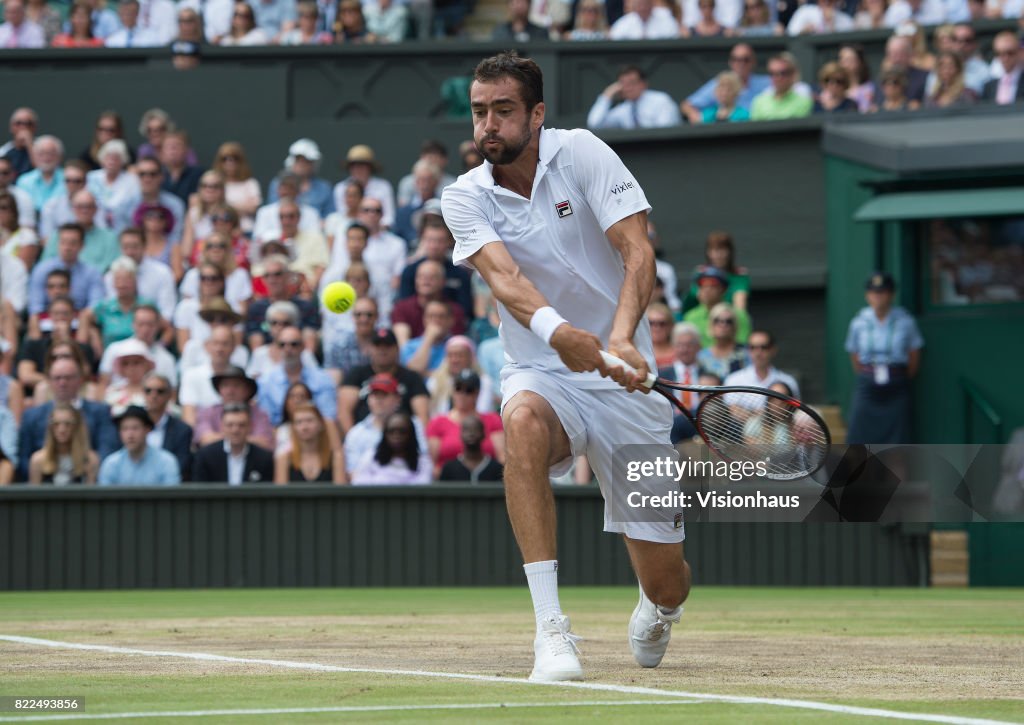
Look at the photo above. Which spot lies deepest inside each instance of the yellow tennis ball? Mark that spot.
(338, 297)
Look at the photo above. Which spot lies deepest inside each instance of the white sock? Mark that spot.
(542, 577)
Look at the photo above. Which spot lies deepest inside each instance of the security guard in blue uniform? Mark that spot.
(885, 348)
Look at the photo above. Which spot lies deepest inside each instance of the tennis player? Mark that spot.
(557, 226)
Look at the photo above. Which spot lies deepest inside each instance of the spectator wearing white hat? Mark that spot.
(304, 161)
(362, 166)
(146, 326)
(130, 365)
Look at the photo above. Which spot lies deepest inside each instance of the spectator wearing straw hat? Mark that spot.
(137, 463)
(362, 166)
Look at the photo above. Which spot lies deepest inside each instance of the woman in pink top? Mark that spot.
(443, 431)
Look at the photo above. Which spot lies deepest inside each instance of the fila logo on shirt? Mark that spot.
(563, 208)
(619, 188)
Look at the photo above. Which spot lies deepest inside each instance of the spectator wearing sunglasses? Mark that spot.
(245, 30)
(278, 288)
(761, 373)
(57, 210)
(834, 84)
(241, 189)
(274, 384)
(712, 284)
(280, 315)
(724, 355)
(17, 150)
(268, 216)
(1008, 87)
(151, 193)
(783, 100)
(169, 432)
(743, 62)
(238, 285)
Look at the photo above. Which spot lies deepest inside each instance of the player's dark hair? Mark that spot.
(770, 336)
(411, 452)
(510, 65)
(632, 69)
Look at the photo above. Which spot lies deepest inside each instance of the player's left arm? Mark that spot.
(629, 237)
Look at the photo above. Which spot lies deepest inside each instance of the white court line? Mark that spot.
(352, 708)
(592, 686)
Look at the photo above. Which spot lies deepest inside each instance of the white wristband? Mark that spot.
(544, 323)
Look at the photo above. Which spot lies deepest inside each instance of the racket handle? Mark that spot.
(615, 362)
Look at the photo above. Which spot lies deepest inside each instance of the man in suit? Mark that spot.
(684, 369)
(169, 432)
(65, 378)
(1010, 87)
(234, 460)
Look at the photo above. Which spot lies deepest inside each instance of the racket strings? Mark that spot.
(755, 427)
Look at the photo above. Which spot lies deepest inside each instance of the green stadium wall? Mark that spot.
(217, 536)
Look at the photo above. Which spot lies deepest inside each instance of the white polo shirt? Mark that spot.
(557, 238)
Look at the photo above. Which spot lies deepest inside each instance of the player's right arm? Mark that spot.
(577, 348)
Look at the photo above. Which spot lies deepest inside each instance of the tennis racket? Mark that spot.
(749, 424)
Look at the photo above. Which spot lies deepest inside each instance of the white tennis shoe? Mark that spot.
(555, 652)
(650, 629)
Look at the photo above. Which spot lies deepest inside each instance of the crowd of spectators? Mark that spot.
(187, 25)
(910, 77)
(160, 318)
(141, 289)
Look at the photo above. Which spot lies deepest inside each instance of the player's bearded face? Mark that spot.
(499, 149)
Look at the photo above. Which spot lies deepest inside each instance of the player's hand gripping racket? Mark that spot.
(749, 424)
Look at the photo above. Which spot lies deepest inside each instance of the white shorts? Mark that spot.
(597, 422)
